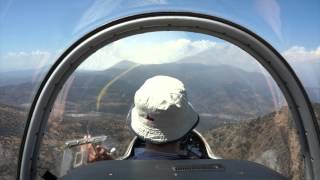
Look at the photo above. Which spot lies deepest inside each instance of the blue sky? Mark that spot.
(48, 27)
(30, 25)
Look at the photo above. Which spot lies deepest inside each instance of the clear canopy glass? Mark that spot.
(34, 34)
(243, 114)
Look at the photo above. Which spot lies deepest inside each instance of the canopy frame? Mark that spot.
(262, 51)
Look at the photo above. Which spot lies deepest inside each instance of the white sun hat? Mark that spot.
(162, 112)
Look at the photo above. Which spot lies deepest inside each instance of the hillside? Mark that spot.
(270, 140)
(316, 107)
(12, 121)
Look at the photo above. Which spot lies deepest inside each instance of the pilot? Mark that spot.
(162, 116)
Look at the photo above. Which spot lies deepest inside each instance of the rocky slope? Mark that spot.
(271, 140)
(12, 121)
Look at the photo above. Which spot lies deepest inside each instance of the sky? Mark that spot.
(34, 34)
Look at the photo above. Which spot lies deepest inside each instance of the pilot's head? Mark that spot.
(162, 112)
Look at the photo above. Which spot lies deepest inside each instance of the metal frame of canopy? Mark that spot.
(263, 52)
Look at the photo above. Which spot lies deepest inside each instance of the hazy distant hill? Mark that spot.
(235, 57)
(309, 75)
(223, 93)
(211, 88)
(125, 64)
(17, 95)
(15, 77)
(308, 72)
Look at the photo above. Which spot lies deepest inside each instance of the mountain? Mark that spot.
(16, 77)
(18, 95)
(232, 56)
(270, 140)
(309, 75)
(225, 90)
(235, 106)
(125, 64)
(307, 71)
(224, 93)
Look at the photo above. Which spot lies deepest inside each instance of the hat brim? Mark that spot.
(187, 122)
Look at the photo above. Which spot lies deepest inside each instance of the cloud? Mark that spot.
(157, 1)
(4, 9)
(270, 11)
(298, 54)
(25, 60)
(98, 9)
(105, 8)
(145, 52)
(226, 54)
(28, 66)
(139, 3)
(306, 63)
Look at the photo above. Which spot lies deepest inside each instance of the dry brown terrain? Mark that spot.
(271, 140)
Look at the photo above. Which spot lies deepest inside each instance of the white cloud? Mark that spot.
(35, 54)
(157, 1)
(300, 54)
(226, 54)
(4, 9)
(306, 63)
(139, 3)
(104, 9)
(145, 52)
(36, 61)
(25, 60)
(270, 11)
(155, 51)
(98, 9)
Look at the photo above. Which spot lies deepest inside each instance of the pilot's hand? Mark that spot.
(97, 153)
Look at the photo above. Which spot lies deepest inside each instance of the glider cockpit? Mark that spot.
(45, 133)
(202, 164)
